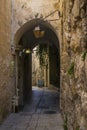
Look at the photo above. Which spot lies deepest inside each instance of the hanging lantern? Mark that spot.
(38, 33)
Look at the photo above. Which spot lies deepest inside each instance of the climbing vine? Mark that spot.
(78, 128)
(71, 69)
(84, 55)
(65, 123)
(41, 53)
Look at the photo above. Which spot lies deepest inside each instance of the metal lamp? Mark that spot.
(38, 33)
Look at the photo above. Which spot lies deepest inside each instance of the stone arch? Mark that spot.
(30, 25)
(26, 32)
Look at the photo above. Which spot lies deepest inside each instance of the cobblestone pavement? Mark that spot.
(42, 113)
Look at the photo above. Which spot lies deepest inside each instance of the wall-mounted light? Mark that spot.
(27, 51)
(24, 51)
(38, 33)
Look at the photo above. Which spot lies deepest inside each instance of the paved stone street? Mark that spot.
(42, 113)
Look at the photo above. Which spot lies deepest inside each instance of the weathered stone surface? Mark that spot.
(76, 9)
(6, 79)
(84, 26)
(65, 61)
(76, 88)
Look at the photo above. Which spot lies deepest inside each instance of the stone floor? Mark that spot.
(42, 113)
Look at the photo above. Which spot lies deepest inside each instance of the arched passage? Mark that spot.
(26, 40)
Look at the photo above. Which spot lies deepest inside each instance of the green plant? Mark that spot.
(65, 127)
(65, 123)
(78, 128)
(84, 55)
(41, 53)
(71, 69)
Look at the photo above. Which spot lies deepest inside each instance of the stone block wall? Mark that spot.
(24, 11)
(74, 64)
(6, 64)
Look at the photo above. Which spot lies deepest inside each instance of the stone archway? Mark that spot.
(25, 39)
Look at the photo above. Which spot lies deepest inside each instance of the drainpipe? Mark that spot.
(16, 67)
(15, 98)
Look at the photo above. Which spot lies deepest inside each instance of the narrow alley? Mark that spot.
(43, 43)
(42, 112)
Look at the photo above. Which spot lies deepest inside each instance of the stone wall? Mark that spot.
(74, 64)
(6, 63)
(24, 11)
